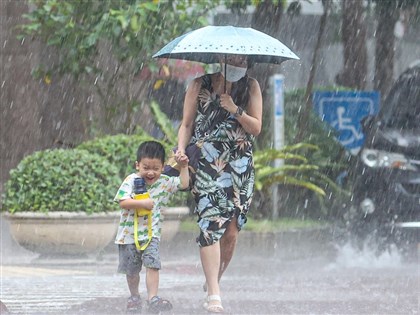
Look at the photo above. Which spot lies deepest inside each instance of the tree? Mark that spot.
(266, 18)
(304, 115)
(388, 13)
(353, 32)
(107, 46)
(384, 50)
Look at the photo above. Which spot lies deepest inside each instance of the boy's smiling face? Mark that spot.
(149, 169)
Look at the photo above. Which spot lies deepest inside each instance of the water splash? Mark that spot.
(349, 256)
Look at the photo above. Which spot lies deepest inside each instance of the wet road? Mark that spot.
(336, 280)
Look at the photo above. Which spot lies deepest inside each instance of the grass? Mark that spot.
(284, 224)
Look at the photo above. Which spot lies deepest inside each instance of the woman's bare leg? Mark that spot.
(227, 246)
(210, 260)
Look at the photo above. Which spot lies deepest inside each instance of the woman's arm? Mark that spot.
(251, 120)
(189, 113)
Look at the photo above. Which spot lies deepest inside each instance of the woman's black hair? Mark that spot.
(151, 150)
(240, 92)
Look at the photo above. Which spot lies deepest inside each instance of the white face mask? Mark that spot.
(233, 73)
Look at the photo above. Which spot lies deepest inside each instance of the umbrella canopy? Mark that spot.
(207, 43)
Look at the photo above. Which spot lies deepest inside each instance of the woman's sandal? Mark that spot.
(157, 305)
(213, 307)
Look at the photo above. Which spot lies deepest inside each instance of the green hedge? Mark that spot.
(62, 180)
(120, 150)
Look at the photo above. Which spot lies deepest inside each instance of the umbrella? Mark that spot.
(207, 43)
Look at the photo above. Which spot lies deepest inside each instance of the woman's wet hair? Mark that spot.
(240, 92)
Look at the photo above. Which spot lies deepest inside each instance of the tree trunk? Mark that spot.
(354, 73)
(303, 118)
(388, 15)
(266, 18)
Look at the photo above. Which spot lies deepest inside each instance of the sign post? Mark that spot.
(277, 83)
(278, 125)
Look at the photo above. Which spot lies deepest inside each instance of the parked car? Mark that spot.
(385, 206)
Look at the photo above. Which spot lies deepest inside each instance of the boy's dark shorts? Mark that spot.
(131, 259)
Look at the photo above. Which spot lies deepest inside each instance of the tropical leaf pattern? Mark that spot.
(225, 176)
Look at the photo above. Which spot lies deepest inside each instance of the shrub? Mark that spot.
(309, 171)
(120, 150)
(61, 180)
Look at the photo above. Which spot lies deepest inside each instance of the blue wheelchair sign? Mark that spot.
(343, 111)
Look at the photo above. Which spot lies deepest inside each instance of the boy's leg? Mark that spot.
(152, 282)
(133, 284)
(130, 264)
(151, 260)
(156, 303)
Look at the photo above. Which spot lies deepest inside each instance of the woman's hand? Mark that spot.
(251, 119)
(181, 158)
(227, 103)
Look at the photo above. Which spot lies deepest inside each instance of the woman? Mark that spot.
(222, 115)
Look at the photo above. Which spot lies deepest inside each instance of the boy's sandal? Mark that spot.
(157, 305)
(213, 307)
(134, 304)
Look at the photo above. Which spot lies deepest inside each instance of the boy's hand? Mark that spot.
(182, 159)
(179, 152)
(130, 203)
(148, 204)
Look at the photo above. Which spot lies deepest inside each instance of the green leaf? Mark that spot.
(123, 21)
(134, 24)
(165, 124)
(49, 184)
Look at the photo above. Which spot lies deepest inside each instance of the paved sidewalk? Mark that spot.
(84, 287)
(31, 285)
(291, 273)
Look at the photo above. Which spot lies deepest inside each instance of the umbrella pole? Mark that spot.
(225, 74)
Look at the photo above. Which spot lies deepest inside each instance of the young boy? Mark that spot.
(149, 166)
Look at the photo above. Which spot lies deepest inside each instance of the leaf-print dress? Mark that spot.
(224, 183)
